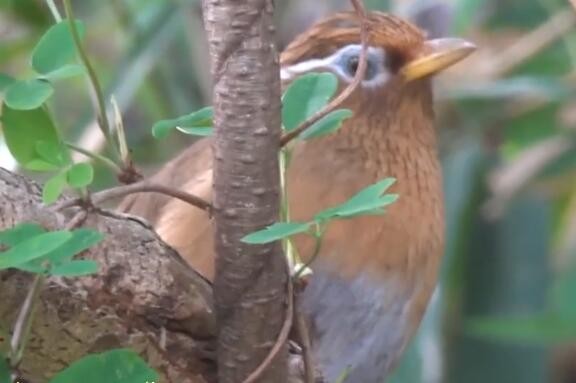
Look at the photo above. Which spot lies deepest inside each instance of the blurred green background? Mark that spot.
(505, 310)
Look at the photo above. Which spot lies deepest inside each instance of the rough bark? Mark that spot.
(250, 282)
(143, 290)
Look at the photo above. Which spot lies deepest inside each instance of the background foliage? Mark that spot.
(505, 310)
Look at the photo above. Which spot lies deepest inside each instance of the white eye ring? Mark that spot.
(338, 63)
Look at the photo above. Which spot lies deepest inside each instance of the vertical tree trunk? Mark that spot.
(250, 282)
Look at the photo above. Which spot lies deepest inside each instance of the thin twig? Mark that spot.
(140, 187)
(358, 77)
(24, 320)
(54, 10)
(95, 156)
(282, 336)
(96, 87)
(305, 343)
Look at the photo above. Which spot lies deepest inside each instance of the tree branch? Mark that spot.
(140, 187)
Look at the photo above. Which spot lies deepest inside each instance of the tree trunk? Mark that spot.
(250, 282)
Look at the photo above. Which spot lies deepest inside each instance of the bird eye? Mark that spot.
(352, 65)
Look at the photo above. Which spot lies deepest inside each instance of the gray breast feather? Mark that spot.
(357, 325)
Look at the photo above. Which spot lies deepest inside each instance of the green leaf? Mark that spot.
(197, 122)
(543, 329)
(5, 373)
(521, 86)
(19, 233)
(115, 366)
(275, 232)
(80, 175)
(53, 152)
(75, 268)
(5, 81)
(305, 96)
(82, 239)
(41, 166)
(56, 48)
(67, 71)
(327, 124)
(33, 248)
(28, 94)
(22, 129)
(368, 201)
(53, 188)
(197, 131)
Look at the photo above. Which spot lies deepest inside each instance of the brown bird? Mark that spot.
(374, 276)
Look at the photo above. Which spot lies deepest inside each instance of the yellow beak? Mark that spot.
(438, 54)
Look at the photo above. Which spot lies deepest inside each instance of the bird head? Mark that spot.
(400, 61)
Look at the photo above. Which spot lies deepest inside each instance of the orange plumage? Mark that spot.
(374, 276)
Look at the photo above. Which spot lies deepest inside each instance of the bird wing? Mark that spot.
(183, 226)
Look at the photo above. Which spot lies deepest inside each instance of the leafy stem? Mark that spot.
(98, 157)
(95, 83)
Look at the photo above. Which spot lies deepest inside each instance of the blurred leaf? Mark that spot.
(5, 375)
(82, 239)
(75, 268)
(327, 124)
(67, 71)
(115, 366)
(27, 95)
(368, 201)
(275, 232)
(53, 188)
(529, 129)
(19, 233)
(56, 48)
(23, 129)
(197, 131)
(30, 11)
(519, 86)
(537, 329)
(564, 301)
(5, 81)
(305, 96)
(53, 152)
(33, 248)
(193, 123)
(80, 175)
(41, 166)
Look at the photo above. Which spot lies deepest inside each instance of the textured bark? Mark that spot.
(250, 281)
(142, 292)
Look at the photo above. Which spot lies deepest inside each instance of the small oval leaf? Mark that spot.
(275, 232)
(114, 366)
(67, 71)
(201, 119)
(53, 188)
(33, 248)
(56, 47)
(305, 96)
(327, 124)
(27, 95)
(75, 268)
(80, 175)
(19, 233)
(24, 128)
